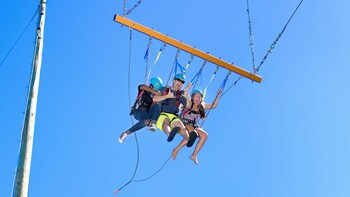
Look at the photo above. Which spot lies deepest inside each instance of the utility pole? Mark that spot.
(21, 181)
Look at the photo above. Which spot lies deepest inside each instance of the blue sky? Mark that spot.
(288, 136)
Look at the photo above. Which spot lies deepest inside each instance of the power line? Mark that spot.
(19, 37)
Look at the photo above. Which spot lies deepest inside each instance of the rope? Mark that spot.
(178, 66)
(19, 37)
(272, 46)
(212, 77)
(234, 84)
(155, 61)
(222, 87)
(189, 62)
(196, 77)
(126, 11)
(172, 68)
(251, 38)
(140, 180)
(145, 58)
(137, 143)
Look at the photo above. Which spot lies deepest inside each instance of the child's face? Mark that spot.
(197, 98)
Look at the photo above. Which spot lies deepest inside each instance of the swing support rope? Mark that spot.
(156, 60)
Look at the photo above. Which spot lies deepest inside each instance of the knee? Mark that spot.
(203, 135)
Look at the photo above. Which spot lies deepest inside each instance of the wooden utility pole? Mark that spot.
(21, 181)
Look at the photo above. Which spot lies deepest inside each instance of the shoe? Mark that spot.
(122, 137)
(192, 138)
(152, 127)
(172, 134)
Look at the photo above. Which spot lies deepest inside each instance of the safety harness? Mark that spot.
(140, 103)
(177, 98)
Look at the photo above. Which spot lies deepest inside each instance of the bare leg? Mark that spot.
(176, 150)
(183, 131)
(202, 138)
(166, 127)
(183, 142)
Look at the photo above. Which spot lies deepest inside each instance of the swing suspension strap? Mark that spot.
(172, 68)
(178, 66)
(126, 11)
(251, 38)
(189, 62)
(272, 46)
(234, 84)
(145, 58)
(211, 79)
(155, 61)
(222, 87)
(159, 53)
(195, 79)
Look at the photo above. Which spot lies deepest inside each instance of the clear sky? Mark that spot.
(287, 136)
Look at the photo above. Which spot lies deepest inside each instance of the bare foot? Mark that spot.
(174, 154)
(194, 159)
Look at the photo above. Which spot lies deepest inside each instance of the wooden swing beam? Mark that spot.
(187, 48)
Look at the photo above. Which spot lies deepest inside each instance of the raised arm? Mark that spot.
(215, 103)
(188, 100)
(189, 85)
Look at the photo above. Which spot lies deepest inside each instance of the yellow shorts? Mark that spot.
(172, 118)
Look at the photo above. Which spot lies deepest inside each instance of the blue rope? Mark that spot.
(145, 58)
(196, 76)
(178, 66)
(222, 87)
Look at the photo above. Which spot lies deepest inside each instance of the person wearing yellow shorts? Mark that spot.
(170, 100)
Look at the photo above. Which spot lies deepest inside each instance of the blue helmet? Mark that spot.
(197, 91)
(156, 83)
(180, 76)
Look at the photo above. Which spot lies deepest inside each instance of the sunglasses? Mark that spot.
(180, 81)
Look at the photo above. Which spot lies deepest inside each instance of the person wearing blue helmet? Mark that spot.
(145, 110)
(195, 110)
(170, 100)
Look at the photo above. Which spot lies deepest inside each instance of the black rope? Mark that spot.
(19, 37)
(234, 84)
(140, 180)
(172, 68)
(272, 46)
(137, 143)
